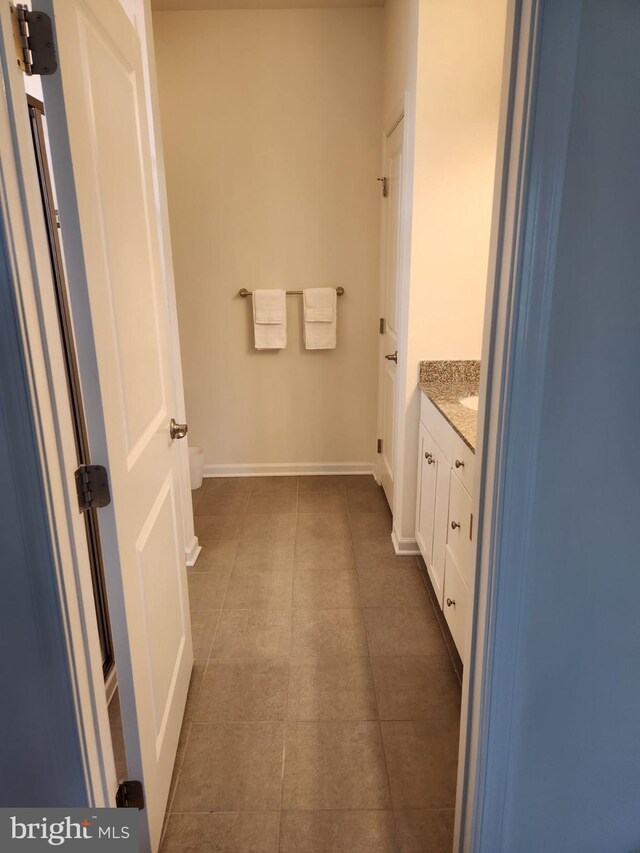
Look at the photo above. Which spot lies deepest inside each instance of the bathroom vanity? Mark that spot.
(444, 512)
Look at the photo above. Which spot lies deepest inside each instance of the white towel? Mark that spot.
(320, 317)
(270, 319)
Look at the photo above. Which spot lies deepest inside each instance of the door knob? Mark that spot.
(428, 455)
(459, 464)
(177, 430)
(392, 357)
(455, 525)
(451, 602)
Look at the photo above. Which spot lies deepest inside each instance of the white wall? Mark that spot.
(272, 150)
(457, 99)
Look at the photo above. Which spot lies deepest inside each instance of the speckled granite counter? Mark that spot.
(445, 383)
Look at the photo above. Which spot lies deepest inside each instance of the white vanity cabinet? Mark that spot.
(444, 519)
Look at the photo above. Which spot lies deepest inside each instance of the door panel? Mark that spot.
(389, 305)
(102, 164)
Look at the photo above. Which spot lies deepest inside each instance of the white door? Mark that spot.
(101, 156)
(388, 351)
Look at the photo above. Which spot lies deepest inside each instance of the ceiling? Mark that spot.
(200, 5)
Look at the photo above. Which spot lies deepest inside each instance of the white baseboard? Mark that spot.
(288, 469)
(192, 551)
(404, 547)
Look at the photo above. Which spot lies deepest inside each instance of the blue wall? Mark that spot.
(574, 774)
(40, 759)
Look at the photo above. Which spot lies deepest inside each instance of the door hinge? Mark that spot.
(33, 39)
(130, 795)
(383, 325)
(385, 186)
(379, 445)
(92, 486)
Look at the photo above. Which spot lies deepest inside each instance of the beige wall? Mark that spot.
(455, 108)
(400, 40)
(271, 125)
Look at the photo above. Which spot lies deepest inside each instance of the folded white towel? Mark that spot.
(320, 317)
(270, 319)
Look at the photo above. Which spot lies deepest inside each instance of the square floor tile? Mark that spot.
(396, 631)
(360, 482)
(333, 555)
(370, 525)
(262, 553)
(273, 503)
(328, 632)
(334, 765)
(331, 688)
(226, 485)
(207, 589)
(218, 526)
(322, 483)
(422, 830)
(338, 832)
(326, 501)
(386, 586)
(240, 691)
(216, 503)
(277, 528)
(203, 626)
(422, 759)
(231, 767)
(318, 527)
(374, 551)
(197, 674)
(318, 590)
(252, 634)
(252, 588)
(416, 688)
(273, 484)
(216, 554)
(367, 500)
(229, 832)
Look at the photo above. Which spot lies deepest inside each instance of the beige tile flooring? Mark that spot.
(323, 709)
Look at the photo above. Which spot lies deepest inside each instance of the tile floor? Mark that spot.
(323, 709)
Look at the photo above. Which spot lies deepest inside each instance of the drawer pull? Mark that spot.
(455, 525)
(459, 463)
(451, 602)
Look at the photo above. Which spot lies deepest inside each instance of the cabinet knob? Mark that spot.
(451, 602)
(455, 525)
(428, 456)
(459, 463)
(431, 460)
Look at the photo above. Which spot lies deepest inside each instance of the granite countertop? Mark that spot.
(444, 383)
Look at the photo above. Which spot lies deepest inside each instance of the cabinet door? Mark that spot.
(425, 515)
(456, 609)
(432, 509)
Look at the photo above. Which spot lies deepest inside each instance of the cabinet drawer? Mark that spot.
(437, 425)
(463, 463)
(459, 531)
(457, 611)
(432, 508)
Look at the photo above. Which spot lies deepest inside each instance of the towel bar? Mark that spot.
(244, 292)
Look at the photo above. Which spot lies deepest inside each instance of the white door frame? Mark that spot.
(21, 208)
(391, 123)
(517, 321)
